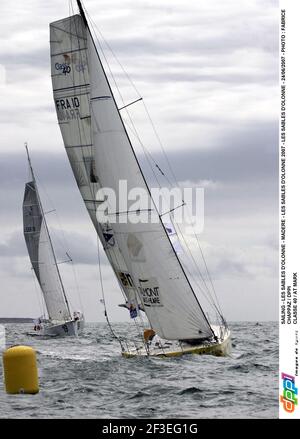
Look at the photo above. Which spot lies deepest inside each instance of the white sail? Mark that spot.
(71, 90)
(41, 255)
(96, 131)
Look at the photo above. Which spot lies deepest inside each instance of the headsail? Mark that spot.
(101, 155)
(41, 255)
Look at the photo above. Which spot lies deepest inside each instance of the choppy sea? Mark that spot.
(88, 378)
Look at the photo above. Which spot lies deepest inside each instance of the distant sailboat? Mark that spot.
(61, 322)
(142, 256)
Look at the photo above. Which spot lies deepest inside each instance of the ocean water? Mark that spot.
(88, 378)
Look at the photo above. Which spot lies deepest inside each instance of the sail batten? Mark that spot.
(141, 255)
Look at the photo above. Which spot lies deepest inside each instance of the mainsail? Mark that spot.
(101, 154)
(42, 256)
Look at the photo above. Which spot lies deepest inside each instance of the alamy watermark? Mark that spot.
(135, 205)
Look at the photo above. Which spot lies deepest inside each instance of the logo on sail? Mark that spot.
(65, 68)
(149, 291)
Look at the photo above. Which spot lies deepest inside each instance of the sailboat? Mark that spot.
(60, 321)
(149, 272)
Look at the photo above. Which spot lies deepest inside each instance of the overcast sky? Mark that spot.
(208, 74)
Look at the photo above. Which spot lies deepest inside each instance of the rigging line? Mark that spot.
(125, 106)
(176, 182)
(195, 263)
(77, 287)
(155, 176)
(205, 295)
(94, 28)
(190, 254)
(91, 187)
(116, 58)
(208, 274)
(63, 242)
(137, 92)
(131, 103)
(116, 262)
(199, 246)
(147, 154)
(160, 143)
(122, 288)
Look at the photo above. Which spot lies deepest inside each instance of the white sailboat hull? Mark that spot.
(71, 328)
(221, 348)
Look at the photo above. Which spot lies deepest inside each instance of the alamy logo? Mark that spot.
(288, 397)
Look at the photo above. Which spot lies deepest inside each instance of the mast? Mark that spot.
(82, 13)
(46, 227)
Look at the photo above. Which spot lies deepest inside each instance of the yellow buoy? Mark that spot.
(20, 370)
